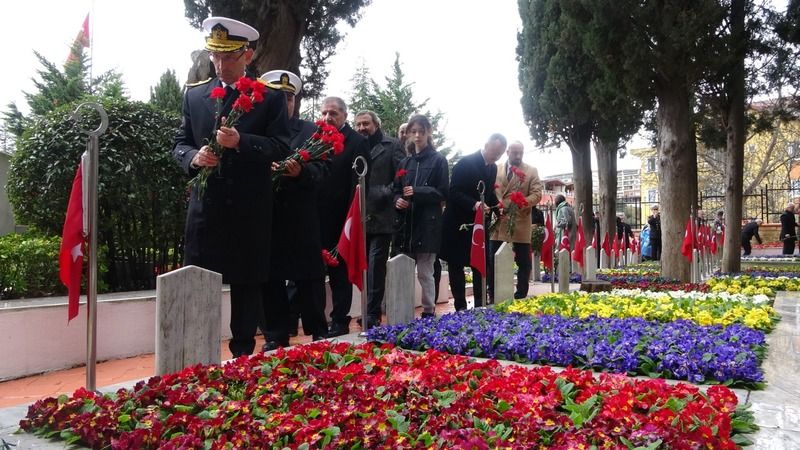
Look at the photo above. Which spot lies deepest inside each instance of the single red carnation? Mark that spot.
(304, 155)
(338, 147)
(518, 199)
(243, 103)
(244, 85)
(258, 97)
(401, 173)
(218, 92)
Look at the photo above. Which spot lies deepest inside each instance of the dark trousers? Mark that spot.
(276, 312)
(656, 245)
(788, 246)
(247, 314)
(341, 293)
(378, 253)
(437, 277)
(458, 287)
(308, 299)
(746, 246)
(522, 257)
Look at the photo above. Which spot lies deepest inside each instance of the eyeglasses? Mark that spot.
(226, 57)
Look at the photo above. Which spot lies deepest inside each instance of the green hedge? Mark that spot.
(29, 267)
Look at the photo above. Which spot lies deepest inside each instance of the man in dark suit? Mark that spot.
(462, 202)
(335, 195)
(228, 224)
(748, 231)
(788, 229)
(296, 246)
(385, 154)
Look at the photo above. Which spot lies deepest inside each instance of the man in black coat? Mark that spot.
(296, 245)
(228, 225)
(462, 201)
(655, 232)
(385, 154)
(748, 231)
(335, 195)
(788, 229)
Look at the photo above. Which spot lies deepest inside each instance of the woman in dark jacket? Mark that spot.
(420, 189)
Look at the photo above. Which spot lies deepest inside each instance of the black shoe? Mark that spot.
(317, 337)
(338, 329)
(425, 315)
(373, 322)
(273, 345)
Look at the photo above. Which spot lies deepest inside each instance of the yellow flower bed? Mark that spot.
(704, 309)
(749, 285)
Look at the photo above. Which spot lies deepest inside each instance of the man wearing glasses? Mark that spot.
(228, 224)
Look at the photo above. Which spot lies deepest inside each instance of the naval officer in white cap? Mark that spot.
(228, 226)
(296, 239)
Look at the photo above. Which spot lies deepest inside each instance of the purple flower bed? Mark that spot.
(573, 277)
(634, 278)
(681, 350)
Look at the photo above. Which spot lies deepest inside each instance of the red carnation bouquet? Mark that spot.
(516, 203)
(251, 92)
(327, 141)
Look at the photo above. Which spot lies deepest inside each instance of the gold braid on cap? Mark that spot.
(220, 41)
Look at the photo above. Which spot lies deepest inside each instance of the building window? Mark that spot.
(652, 195)
(651, 165)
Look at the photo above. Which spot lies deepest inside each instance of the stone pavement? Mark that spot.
(776, 409)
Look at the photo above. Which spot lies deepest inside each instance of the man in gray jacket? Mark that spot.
(385, 153)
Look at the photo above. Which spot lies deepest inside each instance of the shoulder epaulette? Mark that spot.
(198, 83)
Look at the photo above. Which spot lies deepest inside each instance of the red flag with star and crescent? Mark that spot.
(477, 251)
(547, 243)
(580, 244)
(81, 40)
(688, 241)
(606, 246)
(351, 245)
(70, 258)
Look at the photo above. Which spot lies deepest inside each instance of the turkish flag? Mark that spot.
(351, 245)
(564, 244)
(70, 258)
(594, 238)
(688, 241)
(547, 244)
(477, 251)
(580, 244)
(713, 242)
(606, 245)
(633, 244)
(616, 248)
(81, 40)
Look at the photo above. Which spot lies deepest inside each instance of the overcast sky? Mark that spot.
(460, 54)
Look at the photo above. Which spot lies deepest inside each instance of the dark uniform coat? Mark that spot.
(336, 192)
(385, 160)
(296, 244)
(421, 230)
(228, 228)
(460, 202)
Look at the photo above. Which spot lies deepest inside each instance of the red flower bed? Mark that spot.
(325, 395)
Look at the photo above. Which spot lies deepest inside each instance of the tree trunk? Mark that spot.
(677, 162)
(580, 146)
(734, 170)
(607, 177)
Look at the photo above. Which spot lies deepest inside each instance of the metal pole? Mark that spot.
(362, 186)
(90, 229)
(553, 248)
(486, 247)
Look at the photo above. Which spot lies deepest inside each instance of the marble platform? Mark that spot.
(776, 409)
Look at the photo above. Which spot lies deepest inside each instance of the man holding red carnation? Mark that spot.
(229, 220)
(386, 154)
(519, 189)
(335, 196)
